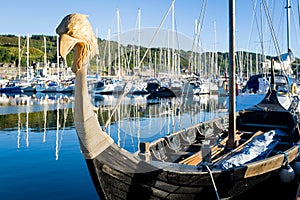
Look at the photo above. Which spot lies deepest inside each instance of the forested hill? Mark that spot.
(9, 53)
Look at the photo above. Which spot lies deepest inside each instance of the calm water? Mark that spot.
(40, 154)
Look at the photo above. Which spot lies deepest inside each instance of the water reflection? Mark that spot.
(33, 98)
(137, 119)
(37, 135)
(33, 102)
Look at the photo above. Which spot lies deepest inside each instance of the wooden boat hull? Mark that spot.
(163, 169)
(125, 177)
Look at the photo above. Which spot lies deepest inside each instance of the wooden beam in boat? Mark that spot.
(216, 149)
(238, 148)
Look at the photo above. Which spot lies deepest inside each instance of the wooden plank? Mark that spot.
(216, 149)
(239, 148)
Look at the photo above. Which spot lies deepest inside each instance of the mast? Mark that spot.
(19, 52)
(97, 58)
(232, 82)
(139, 36)
(45, 56)
(173, 37)
(109, 53)
(27, 58)
(215, 49)
(57, 55)
(119, 52)
(288, 6)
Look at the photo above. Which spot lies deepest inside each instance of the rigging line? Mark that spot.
(104, 53)
(272, 30)
(298, 3)
(198, 29)
(128, 85)
(156, 32)
(281, 21)
(22, 49)
(199, 25)
(257, 24)
(297, 39)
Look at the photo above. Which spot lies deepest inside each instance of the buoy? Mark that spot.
(296, 167)
(294, 88)
(287, 174)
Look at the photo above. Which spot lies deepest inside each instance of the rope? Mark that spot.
(285, 161)
(272, 30)
(212, 180)
(156, 32)
(129, 84)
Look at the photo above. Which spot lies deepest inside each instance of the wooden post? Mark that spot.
(144, 153)
(232, 82)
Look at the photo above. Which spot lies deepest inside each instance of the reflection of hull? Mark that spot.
(98, 97)
(65, 89)
(165, 92)
(41, 88)
(28, 89)
(200, 90)
(140, 92)
(12, 89)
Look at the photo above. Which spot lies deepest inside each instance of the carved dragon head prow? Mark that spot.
(76, 32)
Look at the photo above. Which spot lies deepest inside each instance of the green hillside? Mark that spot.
(9, 54)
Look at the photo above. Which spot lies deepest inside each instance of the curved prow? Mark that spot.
(76, 32)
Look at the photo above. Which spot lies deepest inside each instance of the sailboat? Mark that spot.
(258, 85)
(207, 160)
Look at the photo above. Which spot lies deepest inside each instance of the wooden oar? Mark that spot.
(237, 149)
(216, 149)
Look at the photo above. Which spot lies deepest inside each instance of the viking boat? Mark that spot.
(204, 161)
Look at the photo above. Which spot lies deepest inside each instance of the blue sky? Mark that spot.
(41, 17)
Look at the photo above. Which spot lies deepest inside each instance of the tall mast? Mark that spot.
(215, 49)
(232, 83)
(27, 58)
(139, 37)
(19, 52)
(97, 57)
(57, 55)
(173, 37)
(288, 6)
(45, 56)
(119, 51)
(109, 53)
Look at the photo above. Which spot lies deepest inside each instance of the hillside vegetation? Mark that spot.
(9, 54)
